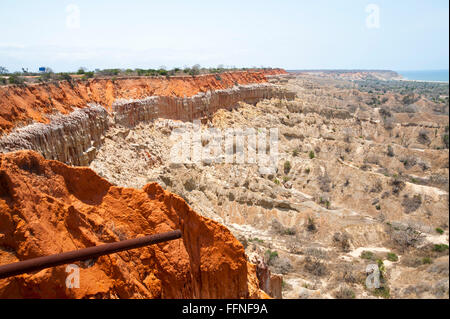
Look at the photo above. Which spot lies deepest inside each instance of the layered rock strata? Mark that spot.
(22, 105)
(201, 105)
(71, 139)
(74, 138)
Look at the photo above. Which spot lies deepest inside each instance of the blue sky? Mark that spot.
(293, 34)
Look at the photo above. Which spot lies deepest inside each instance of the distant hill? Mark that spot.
(383, 75)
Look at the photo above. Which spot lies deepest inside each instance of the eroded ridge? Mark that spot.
(75, 137)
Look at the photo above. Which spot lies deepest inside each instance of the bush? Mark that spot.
(281, 265)
(383, 292)
(278, 228)
(349, 274)
(88, 75)
(344, 293)
(390, 151)
(445, 140)
(109, 72)
(256, 239)
(427, 260)
(388, 123)
(311, 225)
(3, 81)
(315, 266)
(397, 185)
(367, 255)
(324, 202)
(15, 79)
(439, 231)
(406, 238)
(440, 247)
(295, 153)
(423, 137)
(65, 77)
(324, 183)
(342, 240)
(162, 72)
(270, 256)
(242, 240)
(311, 154)
(392, 257)
(409, 161)
(45, 77)
(411, 204)
(287, 167)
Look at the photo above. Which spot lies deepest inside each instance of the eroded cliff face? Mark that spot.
(70, 119)
(201, 105)
(21, 105)
(47, 207)
(71, 139)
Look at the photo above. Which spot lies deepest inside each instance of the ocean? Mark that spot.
(425, 75)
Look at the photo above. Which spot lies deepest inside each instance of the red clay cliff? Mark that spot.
(47, 207)
(21, 105)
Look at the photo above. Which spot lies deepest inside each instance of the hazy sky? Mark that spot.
(293, 34)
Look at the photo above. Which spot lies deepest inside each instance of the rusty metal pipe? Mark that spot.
(40, 263)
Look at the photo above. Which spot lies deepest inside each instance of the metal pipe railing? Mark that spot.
(40, 263)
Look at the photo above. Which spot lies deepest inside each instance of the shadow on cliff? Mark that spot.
(82, 182)
(199, 235)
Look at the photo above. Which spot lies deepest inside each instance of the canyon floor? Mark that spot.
(362, 179)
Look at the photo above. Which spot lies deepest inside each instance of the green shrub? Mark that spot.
(45, 77)
(439, 231)
(287, 167)
(87, 75)
(260, 241)
(15, 79)
(307, 170)
(367, 255)
(162, 72)
(271, 255)
(427, 260)
(440, 247)
(65, 77)
(383, 292)
(311, 155)
(392, 257)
